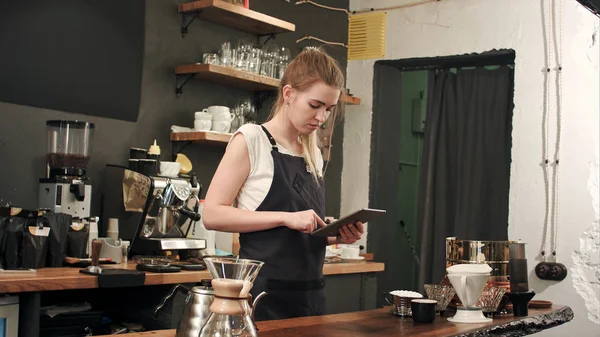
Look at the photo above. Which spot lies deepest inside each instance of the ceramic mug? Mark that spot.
(220, 113)
(228, 117)
(350, 251)
(202, 115)
(221, 126)
(217, 109)
(202, 125)
(423, 310)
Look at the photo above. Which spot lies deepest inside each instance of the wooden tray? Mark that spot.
(539, 304)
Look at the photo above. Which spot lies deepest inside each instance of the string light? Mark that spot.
(308, 37)
(301, 2)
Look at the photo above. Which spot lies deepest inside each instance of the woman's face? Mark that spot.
(310, 108)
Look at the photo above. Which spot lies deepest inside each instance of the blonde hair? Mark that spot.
(310, 66)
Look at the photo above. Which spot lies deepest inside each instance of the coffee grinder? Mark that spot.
(66, 187)
(519, 294)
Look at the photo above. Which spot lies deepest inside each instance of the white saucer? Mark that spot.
(331, 256)
(474, 320)
(352, 259)
(469, 315)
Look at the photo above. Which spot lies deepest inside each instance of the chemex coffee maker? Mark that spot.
(66, 187)
(168, 205)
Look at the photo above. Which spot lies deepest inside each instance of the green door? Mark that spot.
(412, 110)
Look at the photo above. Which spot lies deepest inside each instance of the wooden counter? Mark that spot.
(381, 322)
(68, 278)
(31, 286)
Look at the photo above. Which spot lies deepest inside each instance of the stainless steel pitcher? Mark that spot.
(196, 311)
(197, 307)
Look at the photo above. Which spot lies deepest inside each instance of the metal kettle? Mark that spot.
(197, 307)
(196, 310)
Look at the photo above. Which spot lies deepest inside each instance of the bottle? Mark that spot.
(154, 151)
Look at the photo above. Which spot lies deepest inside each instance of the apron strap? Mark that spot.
(271, 139)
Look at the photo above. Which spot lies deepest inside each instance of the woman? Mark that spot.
(273, 175)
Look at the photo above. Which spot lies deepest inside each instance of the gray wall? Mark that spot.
(22, 128)
(51, 65)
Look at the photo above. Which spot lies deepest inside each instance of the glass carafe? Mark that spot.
(230, 312)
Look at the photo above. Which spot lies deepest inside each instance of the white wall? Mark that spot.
(453, 27)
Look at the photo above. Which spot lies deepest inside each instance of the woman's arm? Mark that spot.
(218, 214)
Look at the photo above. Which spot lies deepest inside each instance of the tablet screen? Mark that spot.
(363, 215)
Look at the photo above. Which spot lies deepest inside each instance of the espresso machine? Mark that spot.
(66, 187)
(169, 209)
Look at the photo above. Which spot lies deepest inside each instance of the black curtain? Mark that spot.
(466, 162)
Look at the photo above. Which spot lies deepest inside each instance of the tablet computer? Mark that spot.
(362, 215)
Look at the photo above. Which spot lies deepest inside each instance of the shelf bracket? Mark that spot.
(269, 37)
(260, 97)
(179, 86)
(184, 24)
(177, 147)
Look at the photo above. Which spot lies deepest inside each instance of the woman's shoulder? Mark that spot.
(254, 137)
(251, 131)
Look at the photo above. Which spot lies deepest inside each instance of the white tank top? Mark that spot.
(259, 180)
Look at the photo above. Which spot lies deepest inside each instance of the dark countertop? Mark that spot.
(381, 322)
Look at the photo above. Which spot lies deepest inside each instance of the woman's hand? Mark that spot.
(304, 221)
(350, 233)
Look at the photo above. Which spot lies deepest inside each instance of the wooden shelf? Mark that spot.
(238, 17)
(229, 76)
(244, 19)
(352, 100)
(207, 137)
(237, 78)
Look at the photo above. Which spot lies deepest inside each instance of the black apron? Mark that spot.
(293, 271)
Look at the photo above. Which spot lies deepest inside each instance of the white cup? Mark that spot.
(223, 117)
(112, 230)
(202, 115)
(217, 110)
(202, 125)
(220, 113)
(350, 251)
(221, 126)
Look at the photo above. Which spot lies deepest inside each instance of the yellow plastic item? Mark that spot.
(366, 36)
(186, 164)
(154, 149)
